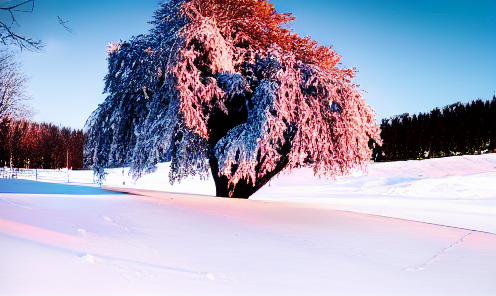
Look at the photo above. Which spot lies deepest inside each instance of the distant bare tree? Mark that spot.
(12, 88)
(8, 36)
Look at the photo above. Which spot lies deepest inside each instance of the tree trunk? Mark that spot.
(218, 125)
(242, 189)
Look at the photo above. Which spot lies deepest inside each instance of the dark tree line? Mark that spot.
(456, 129)
(25, 144)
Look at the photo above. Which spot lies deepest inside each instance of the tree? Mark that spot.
(12, 88)
(491, 124)
(224, 85)
(8, 36)
(457, 129)
(12, 80)
(25, 144)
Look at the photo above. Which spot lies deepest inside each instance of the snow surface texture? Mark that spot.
(84, 241)
(458, 191)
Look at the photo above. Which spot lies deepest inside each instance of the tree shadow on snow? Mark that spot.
(35, 187)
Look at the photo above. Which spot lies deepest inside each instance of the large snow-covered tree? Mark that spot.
(226, 86)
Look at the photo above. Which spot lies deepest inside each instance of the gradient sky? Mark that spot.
(412, 56)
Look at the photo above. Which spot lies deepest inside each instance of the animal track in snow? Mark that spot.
(422, 267)
(133, 268)
(113, 222)
(18, 205)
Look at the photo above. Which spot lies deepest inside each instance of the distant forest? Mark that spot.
(25, 144)
(456, 129)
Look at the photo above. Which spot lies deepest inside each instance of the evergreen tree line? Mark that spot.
(25, 144)
(456, 129)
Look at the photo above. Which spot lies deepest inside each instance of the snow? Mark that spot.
(299, 236)
(159, 180)
(458, 191)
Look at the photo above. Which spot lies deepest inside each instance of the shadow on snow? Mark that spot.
(35, 187)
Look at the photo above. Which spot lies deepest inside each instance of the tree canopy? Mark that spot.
(226, 86)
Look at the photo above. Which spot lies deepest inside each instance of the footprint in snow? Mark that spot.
(210, 276)
(88, 257)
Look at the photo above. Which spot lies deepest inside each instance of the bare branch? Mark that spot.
(10, 8)
(13, 85)
(63, 23)
(7, 34)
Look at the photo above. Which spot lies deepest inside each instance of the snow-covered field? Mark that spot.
(457, 191)
(299, 236)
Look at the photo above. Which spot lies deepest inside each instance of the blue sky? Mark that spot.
(412, 56)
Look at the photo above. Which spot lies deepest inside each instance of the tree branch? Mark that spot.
(7, 35)
(63, 23)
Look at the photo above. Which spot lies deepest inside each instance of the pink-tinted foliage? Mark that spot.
(226, 84)
(331, 120)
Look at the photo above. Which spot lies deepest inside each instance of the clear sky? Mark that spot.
(412, 56)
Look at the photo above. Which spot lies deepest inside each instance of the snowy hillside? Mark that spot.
(457, 191)
(292, 238)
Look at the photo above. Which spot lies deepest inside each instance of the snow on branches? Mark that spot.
(222, 84)
(112, 47)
